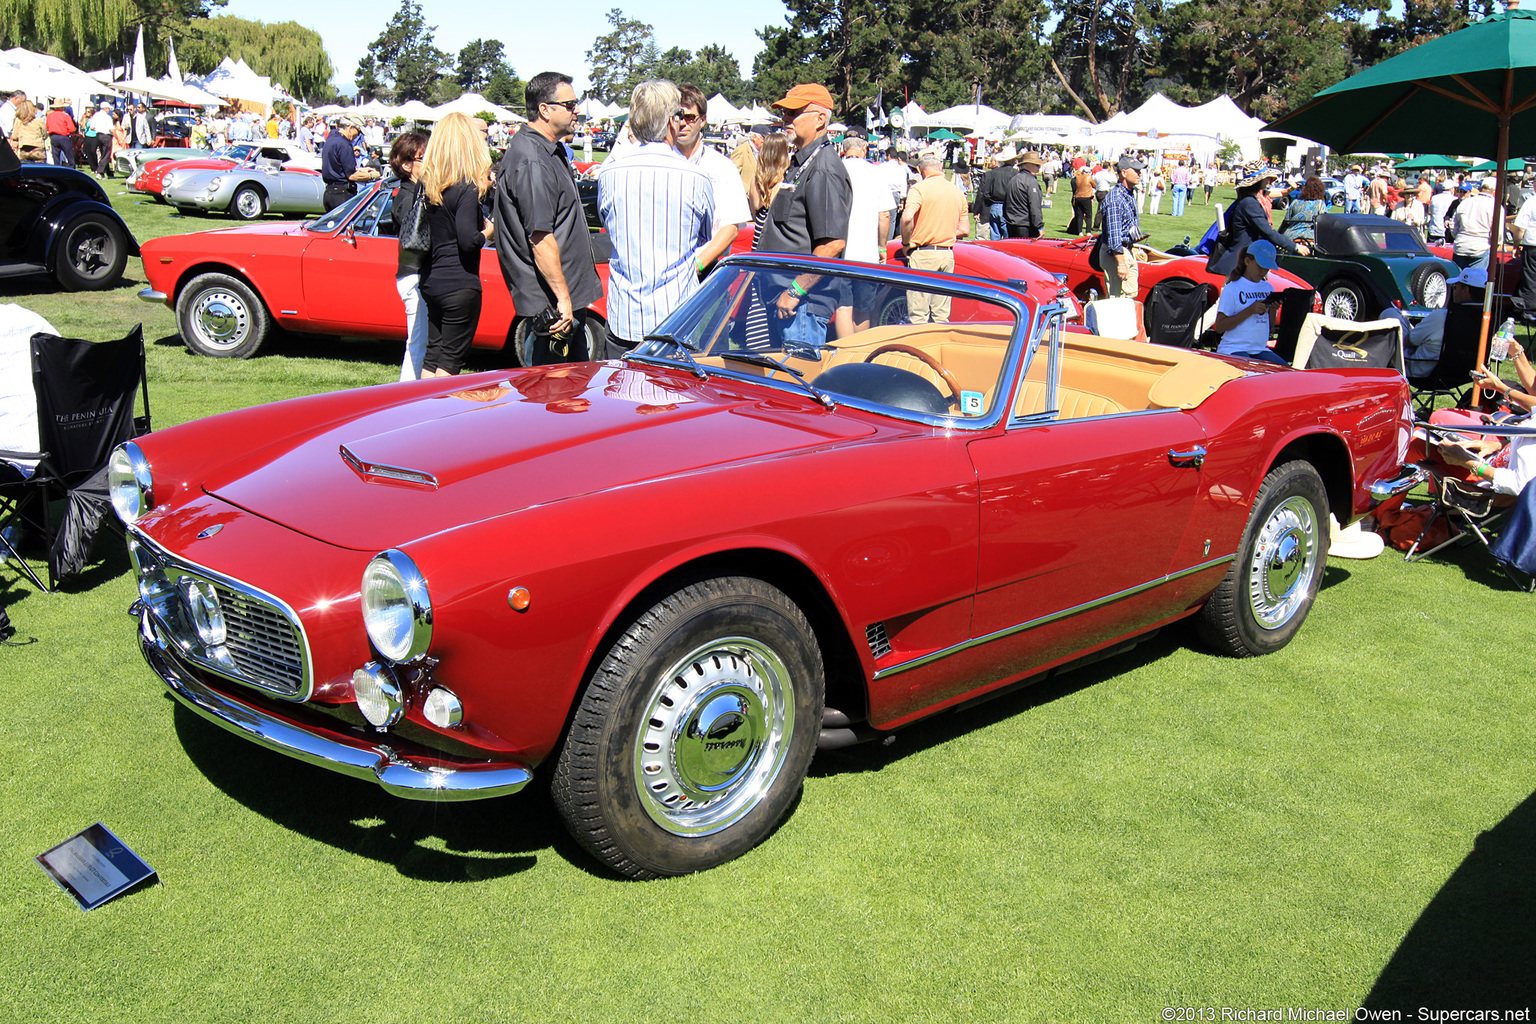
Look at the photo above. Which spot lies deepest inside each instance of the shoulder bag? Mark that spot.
(415, 233)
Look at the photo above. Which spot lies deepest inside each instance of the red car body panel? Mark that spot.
(321, 282)
(1070, 256)
(151, 177)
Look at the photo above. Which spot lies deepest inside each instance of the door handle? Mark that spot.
(1194, 458)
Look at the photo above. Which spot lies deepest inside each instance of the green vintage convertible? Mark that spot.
(1363, 263)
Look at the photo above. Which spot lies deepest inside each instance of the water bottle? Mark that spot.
(1498, 350)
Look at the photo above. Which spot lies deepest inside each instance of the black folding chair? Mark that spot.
(85, 407)
(1173, 311)
(1328, 343)
(1451, 376)
(1295, 304)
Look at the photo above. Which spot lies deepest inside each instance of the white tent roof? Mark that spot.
(374, 108)
(416, 111)
(471, 104)
(970, 116)
(755, 114)
(236, 81)
(720, 109)
(41, 74)
(328, 109)
(166, 89)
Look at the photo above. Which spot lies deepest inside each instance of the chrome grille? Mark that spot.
(262, 643)
(879, 644)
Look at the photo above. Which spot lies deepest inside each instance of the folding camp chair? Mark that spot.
(1295, 305)
(1481, 514)
(85, 407)
(1451, 376)
(1119, 317)
(1326, 342)
(1174, 309)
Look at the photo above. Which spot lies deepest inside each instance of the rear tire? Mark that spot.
(1344, 299)
(691, 741)
(1428, 285)
(1271, 584)
(92, 252)
(221, 316)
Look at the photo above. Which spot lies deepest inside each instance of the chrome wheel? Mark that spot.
(248, 204)
(222, 321)
(1285, 559)
(1343, 301)
(712, 738)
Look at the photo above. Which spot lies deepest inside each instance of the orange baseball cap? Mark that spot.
(802, 96)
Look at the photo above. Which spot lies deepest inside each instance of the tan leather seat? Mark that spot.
(1071, 404)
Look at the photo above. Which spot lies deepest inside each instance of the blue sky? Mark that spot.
(552, 35)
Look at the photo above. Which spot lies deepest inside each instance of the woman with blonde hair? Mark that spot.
(454, 175)
(29, 135)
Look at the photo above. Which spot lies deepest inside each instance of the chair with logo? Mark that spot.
(85, 407)
(1326, 342)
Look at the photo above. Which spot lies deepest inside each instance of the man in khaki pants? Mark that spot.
(1122, 229)
(934, 216)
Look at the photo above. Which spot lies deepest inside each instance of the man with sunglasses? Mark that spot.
(731, 213)
(542, 239)
(809, 216)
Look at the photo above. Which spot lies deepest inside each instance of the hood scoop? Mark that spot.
(374, 472)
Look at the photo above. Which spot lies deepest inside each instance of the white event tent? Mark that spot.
(720, 110)
(1160, 124)
(973, 117)
(41, 75)
(234, 80)
(472, 104)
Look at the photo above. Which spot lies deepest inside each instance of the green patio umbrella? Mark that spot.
(1433, 162)
(944, 135)
(1514, 163)
(1473, 92)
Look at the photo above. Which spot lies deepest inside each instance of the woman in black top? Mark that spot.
(1247, 220)
(404, 157)
(455, 175)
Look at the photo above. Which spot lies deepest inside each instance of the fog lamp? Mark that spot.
(443, 709)
(204, 610)
(378, 696)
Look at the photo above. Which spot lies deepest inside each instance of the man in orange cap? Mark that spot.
(809, 216)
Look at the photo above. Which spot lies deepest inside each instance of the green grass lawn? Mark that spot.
(1349, 821)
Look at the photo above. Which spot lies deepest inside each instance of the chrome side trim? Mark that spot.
(1046, 620)
(1409, 478)
(150, 295)
(400, 776)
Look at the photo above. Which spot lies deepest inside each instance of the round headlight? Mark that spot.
(378, 696)
(396, 609)
(129, 482)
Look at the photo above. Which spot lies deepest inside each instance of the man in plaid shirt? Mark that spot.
(1122, 228)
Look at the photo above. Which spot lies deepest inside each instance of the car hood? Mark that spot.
(428, 459)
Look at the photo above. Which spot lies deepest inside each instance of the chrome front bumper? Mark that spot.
(1406, 480)
(400, 775)
(150, 295)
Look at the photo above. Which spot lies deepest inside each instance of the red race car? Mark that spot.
(151, 178)
(779, 526)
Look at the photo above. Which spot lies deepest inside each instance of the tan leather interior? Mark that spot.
(1098, 376)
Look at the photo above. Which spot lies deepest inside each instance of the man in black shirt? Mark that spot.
(1023, 208)
(338, 163)
(542, 239)
(994, 190)
(808, 216)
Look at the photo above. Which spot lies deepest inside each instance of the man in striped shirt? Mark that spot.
(659, 212)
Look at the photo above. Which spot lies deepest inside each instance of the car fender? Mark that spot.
(51, 222)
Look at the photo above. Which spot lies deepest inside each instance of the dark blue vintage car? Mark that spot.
(57, 221)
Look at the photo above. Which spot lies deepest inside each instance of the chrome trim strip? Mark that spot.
(378, 469)
(1046, 620)
(400, 776)
(306, 681)
(150, 295)
(1409, 478)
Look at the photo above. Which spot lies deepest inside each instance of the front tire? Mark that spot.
(1271, 584)
(693, 736)
(220, 316)
(92, 253)
(1344, 299)
(247, 203)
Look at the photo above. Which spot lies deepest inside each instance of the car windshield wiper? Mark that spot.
(686, 349)
(757, 359)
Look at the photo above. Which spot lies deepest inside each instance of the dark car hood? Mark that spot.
(426, 459)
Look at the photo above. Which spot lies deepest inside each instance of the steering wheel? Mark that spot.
(927, 360)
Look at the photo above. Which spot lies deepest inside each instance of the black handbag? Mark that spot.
(415, 232)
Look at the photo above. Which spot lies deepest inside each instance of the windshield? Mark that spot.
(875, 344)
(239, 154)
(333, 220)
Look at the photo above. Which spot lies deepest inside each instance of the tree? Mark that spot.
(406, 53)
(99, 33)
(850, 46)
(483, 69)
(714, 70)
(292, 55)
(621, 59)
(1103, 50)
(367, 78)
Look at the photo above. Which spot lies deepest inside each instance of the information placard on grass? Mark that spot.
(94, 866)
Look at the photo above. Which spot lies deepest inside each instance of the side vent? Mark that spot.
(879, 644)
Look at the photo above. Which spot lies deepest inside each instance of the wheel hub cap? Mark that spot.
(220, 318)
(713, 736)
(1285, 560)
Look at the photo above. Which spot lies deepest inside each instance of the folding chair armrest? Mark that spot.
(6, 455)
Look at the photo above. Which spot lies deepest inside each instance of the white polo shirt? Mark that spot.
(730, 197)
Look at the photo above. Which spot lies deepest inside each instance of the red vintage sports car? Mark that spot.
(1069, 256)
(336, 275)
(777, 526)
(150, 179)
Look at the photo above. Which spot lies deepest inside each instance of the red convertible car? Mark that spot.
(150, 179)
(1069, 256)
(336, 275)
(776, 526)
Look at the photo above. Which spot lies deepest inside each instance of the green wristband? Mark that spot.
(796, 287)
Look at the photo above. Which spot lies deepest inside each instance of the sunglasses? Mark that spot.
(687, 118)
(569, 105)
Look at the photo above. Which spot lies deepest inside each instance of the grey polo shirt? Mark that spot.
(536, 191)
(814, 202)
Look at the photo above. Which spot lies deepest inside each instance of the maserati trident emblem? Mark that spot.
(215, 528)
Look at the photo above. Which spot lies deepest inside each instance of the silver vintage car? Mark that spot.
(247, 192)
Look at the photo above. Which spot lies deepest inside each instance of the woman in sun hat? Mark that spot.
(1247, 221)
